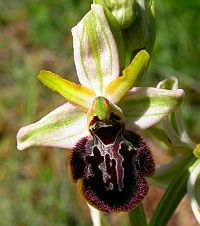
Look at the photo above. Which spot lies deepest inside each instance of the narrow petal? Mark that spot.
(144, 107)
(95, 51)
(193, 188)
(78, 95)
(62, 127)
(118, 88)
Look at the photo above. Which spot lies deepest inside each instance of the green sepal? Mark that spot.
(137, 216)
(62, 127)
(144, 107)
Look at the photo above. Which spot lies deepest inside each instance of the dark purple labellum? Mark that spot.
(110, 166)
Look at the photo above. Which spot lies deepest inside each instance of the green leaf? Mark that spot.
(172, 196)
(137, 216)
(159, 134)
(193, 188)
(166, 173)
(174, 145)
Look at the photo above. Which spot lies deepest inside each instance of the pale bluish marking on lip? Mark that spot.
(103, 167)
(112, 150)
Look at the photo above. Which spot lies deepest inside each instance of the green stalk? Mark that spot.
(172, 196)
(137, 216)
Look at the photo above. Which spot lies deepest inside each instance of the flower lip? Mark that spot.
(103, 171)
(107, 134)
(104, 130)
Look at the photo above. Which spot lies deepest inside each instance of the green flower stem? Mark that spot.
(173, 195)
(137, 216)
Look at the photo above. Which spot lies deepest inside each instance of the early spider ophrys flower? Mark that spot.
(99, 122)
(193, 185)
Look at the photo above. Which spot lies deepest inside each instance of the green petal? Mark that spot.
(76, 94)
(62, 127)
(193, 189)
(95, 51)
(144, 107)
(116, 89)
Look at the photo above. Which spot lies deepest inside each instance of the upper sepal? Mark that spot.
(62, 127)
(95, 50)
(116, 31)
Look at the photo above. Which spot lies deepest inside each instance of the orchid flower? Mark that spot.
(102, 117)
(193, 185)
(185, 165)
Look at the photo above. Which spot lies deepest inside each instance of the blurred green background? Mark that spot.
(34, 186)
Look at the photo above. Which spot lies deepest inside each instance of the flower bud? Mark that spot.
(124, 11)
